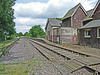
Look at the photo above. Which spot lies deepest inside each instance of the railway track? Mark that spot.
(51, 57)
(72, 61)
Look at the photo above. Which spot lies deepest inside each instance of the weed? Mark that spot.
(2, 68)
(33, 73)
(29, 65)
(20, 68)
(26, 71)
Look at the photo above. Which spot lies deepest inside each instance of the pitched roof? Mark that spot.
(88, 15)
(94, 23)
(53, 22)
(72, 11)
(95, 8)
(91, 12)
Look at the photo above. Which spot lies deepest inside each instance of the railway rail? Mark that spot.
(51, 57)
(72, 60)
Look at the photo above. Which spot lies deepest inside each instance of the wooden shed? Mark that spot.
(71, 22)
(90, 33)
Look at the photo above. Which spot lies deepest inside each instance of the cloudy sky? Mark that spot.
(36, 12)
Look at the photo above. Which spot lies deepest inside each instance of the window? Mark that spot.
(87, 33)
(98, 32)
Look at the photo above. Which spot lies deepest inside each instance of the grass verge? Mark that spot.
(7, 42)
(4, 45)
(20, 68)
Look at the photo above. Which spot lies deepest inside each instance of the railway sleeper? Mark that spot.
(65, 56)
(50, 58)
(95, 72)
(79, 53)
(68, 58)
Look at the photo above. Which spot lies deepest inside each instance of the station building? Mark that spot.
(65, 31)
(77, 26)
(89, 33)
(53, 29)
(71, 22)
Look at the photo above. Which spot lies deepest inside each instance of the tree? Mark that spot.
(27, 34)
(37, 31)
(6, 17)
(20, 34)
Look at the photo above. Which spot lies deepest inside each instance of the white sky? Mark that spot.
(36, 12)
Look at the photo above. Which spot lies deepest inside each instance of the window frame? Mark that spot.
(86, 34)
(98, 32)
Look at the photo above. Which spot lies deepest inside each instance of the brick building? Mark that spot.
(71, 22)
(90, 32)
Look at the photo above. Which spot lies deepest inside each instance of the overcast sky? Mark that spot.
(36, 12)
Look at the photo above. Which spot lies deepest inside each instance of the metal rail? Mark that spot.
(47, 58)
(87, 66)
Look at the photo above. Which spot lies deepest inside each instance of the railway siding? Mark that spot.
(72, 65)
(56, 47)
(68, 49)
(76, 60)
(50, 58)
(89, 60)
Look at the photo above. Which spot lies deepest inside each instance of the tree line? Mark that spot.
(7, 24)
(6, 18)
(36, 31)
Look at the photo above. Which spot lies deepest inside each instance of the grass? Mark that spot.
(71, 45)
(34, 64)
(5, 43)
(20, 68)
(33, 73)
(13, 69)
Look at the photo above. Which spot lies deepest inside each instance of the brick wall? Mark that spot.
(93, 41)
(77, 18)
(67, 35)
(96, 14)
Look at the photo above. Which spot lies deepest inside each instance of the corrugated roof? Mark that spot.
(53, 22)
(94, 23)
(72, 11)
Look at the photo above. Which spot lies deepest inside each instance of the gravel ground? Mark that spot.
(82, 71)
(23, 51)
(20, 52)
(56, 59)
